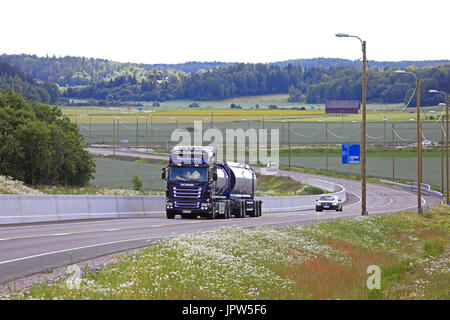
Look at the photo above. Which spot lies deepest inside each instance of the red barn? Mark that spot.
(342, 106)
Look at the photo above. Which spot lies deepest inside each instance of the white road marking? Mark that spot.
(77, 248)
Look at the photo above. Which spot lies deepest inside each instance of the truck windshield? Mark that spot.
(189, 174)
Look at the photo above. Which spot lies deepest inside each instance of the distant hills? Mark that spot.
(195, 66)
(316, 80)
(75, 71)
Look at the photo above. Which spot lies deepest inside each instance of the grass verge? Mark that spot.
(326, 260)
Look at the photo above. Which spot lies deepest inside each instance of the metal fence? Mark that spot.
(148, 133)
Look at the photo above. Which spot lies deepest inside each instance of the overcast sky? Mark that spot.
(174, 31)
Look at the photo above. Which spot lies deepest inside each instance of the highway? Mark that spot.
(33, 248)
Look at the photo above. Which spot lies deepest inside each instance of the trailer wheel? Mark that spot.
(254, 213)
(227, 210)
(260, 207)
(243, 209)
(257, 209)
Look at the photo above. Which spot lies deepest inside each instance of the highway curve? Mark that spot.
(33, 248)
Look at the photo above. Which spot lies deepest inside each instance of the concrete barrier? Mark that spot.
(102, 206)
(72, 207)
(32, 208)
(425, 188)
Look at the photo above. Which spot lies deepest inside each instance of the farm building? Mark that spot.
(342, 106)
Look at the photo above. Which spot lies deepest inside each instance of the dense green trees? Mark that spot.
(40, 146)
(312, 85)
(74, 71)
(12, 77)
(308, 80)
(382, 86)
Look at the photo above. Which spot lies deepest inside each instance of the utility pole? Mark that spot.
(212, 119)
(419, 150)
(326, 146)
(90, 129)
(146, 132)
(137, 131)
(364, 146)
(442, 158)
(393, 153)
(446, 138)
(289, 141)
(114, 138)
(446, 145)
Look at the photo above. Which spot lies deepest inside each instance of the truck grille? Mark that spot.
(187, 197)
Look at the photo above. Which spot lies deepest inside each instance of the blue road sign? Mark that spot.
(351, 154)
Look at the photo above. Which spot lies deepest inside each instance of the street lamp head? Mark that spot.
(342, 35)
(442, 104)
(432, 91)
(400, 71)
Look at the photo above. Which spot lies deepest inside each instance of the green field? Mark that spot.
(300, 129)
(117, 174)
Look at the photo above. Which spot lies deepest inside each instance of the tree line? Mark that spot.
(305, 80)
(310, 85)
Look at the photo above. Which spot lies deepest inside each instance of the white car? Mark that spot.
(271, 169)
(329, 202)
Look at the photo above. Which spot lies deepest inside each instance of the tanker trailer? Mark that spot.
(200, 185)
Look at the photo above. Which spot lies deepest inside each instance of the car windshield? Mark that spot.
(188, 174)
(327, 198)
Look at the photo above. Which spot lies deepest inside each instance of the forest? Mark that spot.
(12, 77)
(305, 80)
(310, 85)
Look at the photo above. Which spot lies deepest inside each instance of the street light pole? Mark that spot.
(446, 138)
(419, 142)
(363, 127)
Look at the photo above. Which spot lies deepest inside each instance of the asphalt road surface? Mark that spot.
(33, 248)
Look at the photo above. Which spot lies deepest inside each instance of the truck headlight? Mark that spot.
(169, 205)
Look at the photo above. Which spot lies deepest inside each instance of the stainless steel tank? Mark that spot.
(243, 180)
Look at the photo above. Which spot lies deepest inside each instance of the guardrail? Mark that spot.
(425, 188)
(45, 208)
(299, 203)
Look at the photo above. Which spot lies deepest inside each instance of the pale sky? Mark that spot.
(174, 31)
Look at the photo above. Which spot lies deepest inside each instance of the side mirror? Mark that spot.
(163, 173)
(214, 176)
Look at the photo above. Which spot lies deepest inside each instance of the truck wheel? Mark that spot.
(240, 210)
(258, 208)
(244, 209)
(254, 213)
(212, 214)
(170, 215)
